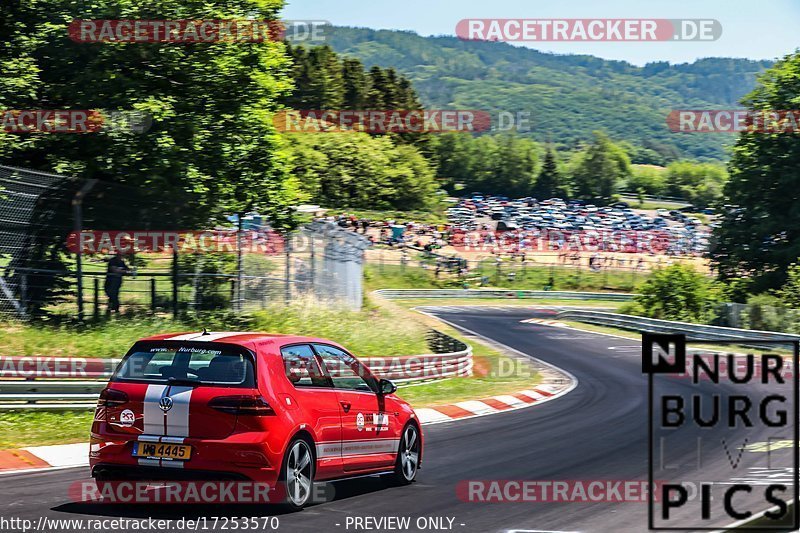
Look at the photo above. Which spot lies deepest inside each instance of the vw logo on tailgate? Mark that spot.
(165, 403)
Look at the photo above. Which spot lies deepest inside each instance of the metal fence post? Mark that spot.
(23, 291)
(153, 295)
(288, 270)
(77, 206)
(96, 298)
(239, 265)
(175, 282)
(313, 267)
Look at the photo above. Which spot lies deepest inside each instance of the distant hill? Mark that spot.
(568, 95)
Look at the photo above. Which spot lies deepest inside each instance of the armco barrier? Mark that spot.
(398, 294)
(692, 331)
(40, 382)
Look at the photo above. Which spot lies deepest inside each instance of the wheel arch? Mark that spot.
(306, 435)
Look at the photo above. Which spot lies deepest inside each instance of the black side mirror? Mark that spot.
(386, 386)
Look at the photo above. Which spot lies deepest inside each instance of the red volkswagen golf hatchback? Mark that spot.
(279, 409)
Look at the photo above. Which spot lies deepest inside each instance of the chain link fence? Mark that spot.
(59, 235)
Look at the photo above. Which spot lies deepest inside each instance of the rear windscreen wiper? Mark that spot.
(183, 381)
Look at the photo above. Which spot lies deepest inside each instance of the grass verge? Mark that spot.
(518, 302)
(537, 278)
(41, 428)
(370, 332)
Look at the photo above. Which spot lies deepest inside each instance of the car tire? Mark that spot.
(297, 474)
(408, 455)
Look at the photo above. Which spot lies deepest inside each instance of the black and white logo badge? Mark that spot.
(165, 403)
(663, 354)
(723, 435)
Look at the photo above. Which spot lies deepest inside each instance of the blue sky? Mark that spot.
(764, 29)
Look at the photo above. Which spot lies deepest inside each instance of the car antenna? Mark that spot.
(205, 332)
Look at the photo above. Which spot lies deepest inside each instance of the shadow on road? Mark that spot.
(323, 492)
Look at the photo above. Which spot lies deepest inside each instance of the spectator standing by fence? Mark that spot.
(116, 269)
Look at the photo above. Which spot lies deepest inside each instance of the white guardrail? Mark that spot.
(41, 382)
(399, 294)
(698, 332)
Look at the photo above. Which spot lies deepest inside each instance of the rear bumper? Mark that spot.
(112, 472)
(241, 456)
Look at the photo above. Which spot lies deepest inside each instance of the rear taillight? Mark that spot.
(112, 398)
(241, 405)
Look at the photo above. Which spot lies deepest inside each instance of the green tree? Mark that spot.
(648, 178)
(364, 171)
(211, 103)
(454, 159)
(789, 293)
(413, 179)
(515, 170)
(759, 234)
(699, 183)
(377, 81)
(318, 76)
(548, 183)
(678, 292)
(356, 85)
(598, 169)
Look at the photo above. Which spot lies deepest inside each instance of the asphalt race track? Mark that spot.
(597, 431)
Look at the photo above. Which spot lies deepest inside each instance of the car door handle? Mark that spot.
(345, 406)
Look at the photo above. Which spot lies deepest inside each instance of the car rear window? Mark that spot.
(199, 363)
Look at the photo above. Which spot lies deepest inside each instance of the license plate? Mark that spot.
(156, 450)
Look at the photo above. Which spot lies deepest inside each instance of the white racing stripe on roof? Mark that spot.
(217, 336)
(184, 337)
(208, 337)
